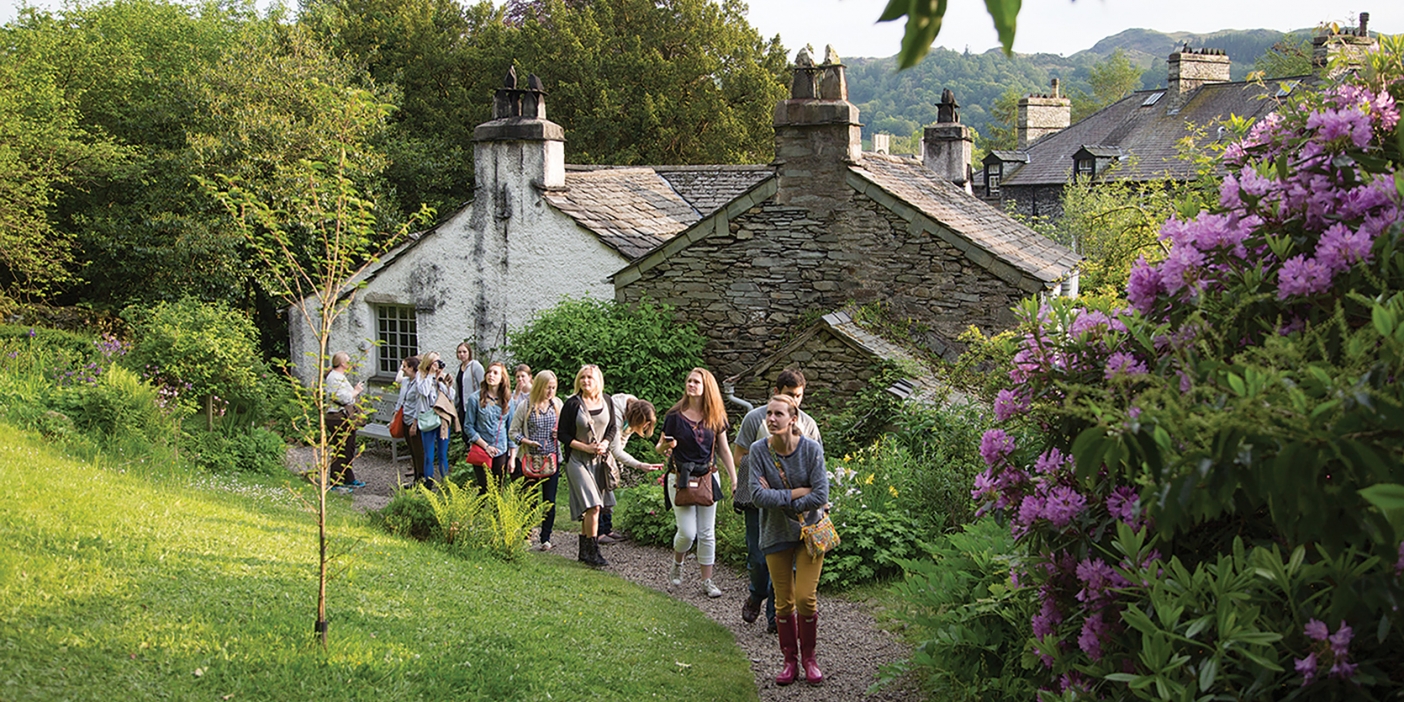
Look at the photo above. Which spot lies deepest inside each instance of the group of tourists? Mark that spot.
(775, 469)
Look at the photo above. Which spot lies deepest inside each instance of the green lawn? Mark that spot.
(119, 586)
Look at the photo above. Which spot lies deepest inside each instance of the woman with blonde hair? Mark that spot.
(432, 394)
(587, 429)
(791, 489)
(694, 437)
(534, 430)
(485, 424)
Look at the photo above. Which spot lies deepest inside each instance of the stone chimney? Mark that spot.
(517, 156)
(947, 147)
(1041, 115)
(817, 134)
(1191, 68)
(519, 143)
(1347, 48)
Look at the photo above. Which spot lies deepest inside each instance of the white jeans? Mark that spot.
(694, 522)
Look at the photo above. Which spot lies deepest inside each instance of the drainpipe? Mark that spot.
(729, 388)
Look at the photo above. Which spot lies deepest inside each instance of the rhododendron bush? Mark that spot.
(1214, 505)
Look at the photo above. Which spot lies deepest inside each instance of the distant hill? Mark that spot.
(899, 103)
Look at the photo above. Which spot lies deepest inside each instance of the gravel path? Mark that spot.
(851, 646)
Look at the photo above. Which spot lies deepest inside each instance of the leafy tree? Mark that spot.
(632, 81)
(1113, 78)
(312, 234)
(1003, 128)
(143, 233)
(1291, 56)
(43, 149)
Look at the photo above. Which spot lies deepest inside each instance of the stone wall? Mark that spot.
(833, 372)
(780, 266)
(1033, 200)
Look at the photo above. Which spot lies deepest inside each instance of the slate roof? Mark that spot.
(1145, 130)
(636, 208)
(631, 209)
(707, 188)
(968, 217)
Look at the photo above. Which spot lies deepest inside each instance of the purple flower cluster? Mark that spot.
(112, 347)
(1330, 651)
(995, 445)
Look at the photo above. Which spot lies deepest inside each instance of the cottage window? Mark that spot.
(397, 335)
(993, 174)
(1086, 167)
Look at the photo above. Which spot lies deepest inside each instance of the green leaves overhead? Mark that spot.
(924, 24)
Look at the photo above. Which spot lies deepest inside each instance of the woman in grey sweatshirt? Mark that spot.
(789, 485)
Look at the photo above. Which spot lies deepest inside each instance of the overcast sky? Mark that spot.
(1054, 26)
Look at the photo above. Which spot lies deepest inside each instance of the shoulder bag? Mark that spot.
(820, 537)
(397, 424)
(538, 467)
(606, 470)
(477, 455)
(695, 481)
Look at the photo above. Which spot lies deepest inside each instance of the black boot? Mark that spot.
(583, 555)
(594, 552)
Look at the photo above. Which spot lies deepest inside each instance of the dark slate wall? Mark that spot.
(780, 265)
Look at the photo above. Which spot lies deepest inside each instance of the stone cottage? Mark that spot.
(536, 230)
(834, 226)
(1141, 132)
(753, 253)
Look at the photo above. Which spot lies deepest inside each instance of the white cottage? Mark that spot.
(535, 231)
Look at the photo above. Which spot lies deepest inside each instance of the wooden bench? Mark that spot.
(381, 432)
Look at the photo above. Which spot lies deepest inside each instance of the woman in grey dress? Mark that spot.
(586, 431)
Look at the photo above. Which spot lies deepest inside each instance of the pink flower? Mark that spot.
(1090, 640)
(1123, 365)
(1302, 276)
(1316, 630)
(1009, 404)
(1145, 286)
(1307, 668)
(995, 445)
(1124, 504)
(1064, 503)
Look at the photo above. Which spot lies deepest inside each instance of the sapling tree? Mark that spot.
(307, 219)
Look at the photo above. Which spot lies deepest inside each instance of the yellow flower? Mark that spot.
(869, 481)
(892, 490)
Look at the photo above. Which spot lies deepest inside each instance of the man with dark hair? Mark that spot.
(789, 382)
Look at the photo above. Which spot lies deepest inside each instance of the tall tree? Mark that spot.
(632, 81)
(1113, 78)
(43, 149)
(142, 230)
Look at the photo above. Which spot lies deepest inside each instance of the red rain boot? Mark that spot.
(789, 646)
(808, 636)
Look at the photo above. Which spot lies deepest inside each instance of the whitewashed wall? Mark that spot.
(485, 271)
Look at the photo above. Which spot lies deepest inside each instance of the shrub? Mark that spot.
(1246, 401)
(640, 512)
(207, 348)
(117, 402)
(642, 349)
(971, 621)
(256, 450)
(407, 514)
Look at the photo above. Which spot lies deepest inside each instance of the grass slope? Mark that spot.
(114, 585)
